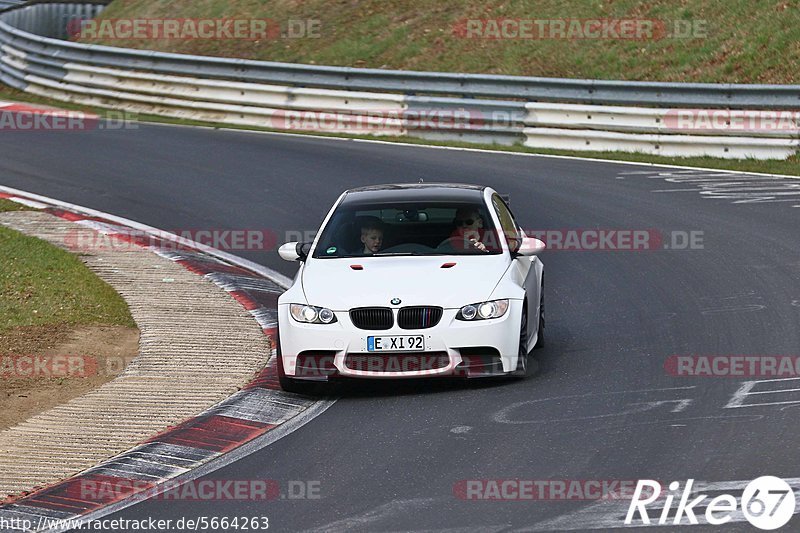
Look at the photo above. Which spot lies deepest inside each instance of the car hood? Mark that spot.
(334, 284)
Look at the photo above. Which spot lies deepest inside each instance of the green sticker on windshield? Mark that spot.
(331, 250)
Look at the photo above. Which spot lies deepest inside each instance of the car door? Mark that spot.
(524, 267)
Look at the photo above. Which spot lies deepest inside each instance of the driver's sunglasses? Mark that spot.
(465, 222)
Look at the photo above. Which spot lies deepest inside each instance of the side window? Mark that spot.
(507, 222)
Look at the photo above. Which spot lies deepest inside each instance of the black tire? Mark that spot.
(540, 332)
(522, 354)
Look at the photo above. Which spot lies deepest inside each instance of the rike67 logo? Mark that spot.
(767, 503)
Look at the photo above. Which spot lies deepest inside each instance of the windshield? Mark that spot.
(389, 229)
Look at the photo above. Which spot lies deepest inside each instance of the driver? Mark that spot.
(468, 232)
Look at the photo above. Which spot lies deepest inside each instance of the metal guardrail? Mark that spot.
(48, 19)
(471, 107)
(5, 4)
(744, 122)
(38, 19)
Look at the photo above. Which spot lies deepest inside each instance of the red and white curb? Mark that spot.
(250, 419)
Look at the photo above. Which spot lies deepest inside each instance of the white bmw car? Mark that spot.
(412, 280)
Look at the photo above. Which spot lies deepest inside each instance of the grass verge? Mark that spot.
(54, 309)
(8, 205)
(736, 41)
(41, 284)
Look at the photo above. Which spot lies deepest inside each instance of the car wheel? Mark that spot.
(522, 355)
(540, 332)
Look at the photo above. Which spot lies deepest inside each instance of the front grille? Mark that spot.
(396, 362)
(419, 317)
(373, 318)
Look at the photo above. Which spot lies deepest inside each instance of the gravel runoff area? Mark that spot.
(198, 346)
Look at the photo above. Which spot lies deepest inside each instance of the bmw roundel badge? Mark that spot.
(396, 301)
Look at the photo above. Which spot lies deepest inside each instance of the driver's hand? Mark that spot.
(477, 244)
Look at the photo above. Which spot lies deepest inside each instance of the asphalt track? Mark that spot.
(387, 456)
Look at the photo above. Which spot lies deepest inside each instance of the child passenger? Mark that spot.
(371, 237)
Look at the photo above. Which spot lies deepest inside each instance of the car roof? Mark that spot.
(410, 192)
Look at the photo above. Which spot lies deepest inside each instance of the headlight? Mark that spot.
(309, 314)
(483, 310)
(468, 312)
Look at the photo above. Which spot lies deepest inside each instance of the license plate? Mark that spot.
(415, 343)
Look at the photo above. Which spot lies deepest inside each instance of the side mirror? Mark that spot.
(531, 246)
(294, 251)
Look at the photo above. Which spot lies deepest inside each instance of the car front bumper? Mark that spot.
(452, 348)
